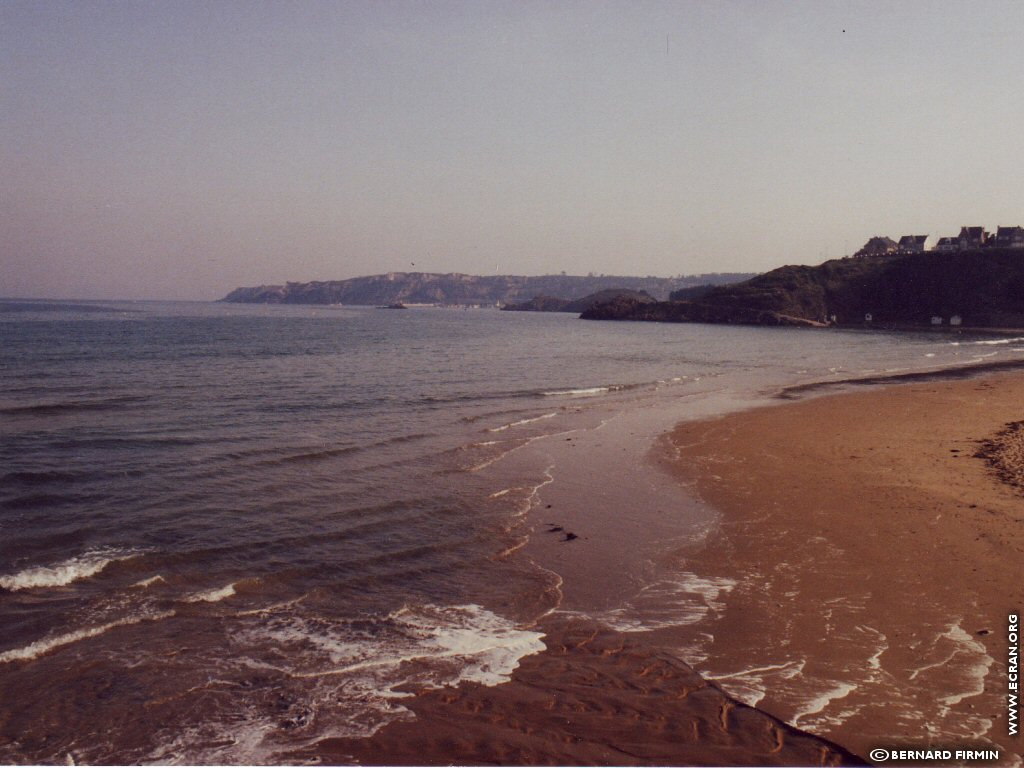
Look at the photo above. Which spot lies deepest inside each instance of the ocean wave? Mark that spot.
(41, 477)
(987, 342)
(212, 595)
(347, 677)
(70, 406)
(428, 645)
(64, 573)
(158, 579)
(39, 647)
(590, 391)
(680, 600)
(311, 455)
(577, 392)
(521, 422)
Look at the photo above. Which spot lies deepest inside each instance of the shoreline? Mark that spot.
(875, 558)
(564, 705)
(942, 373)
(595, 696)
(614, 684)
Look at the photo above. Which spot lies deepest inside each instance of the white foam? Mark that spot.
(997, 342)
(149, 582)
(478, 646)
(976, 669)
(79, 567)
(353, 674)
(751, 685)
(585, 392)
(519, 423)
(212, 595)
(39, 647)
(820, 702)
(958, 664)
(491, 645)
(681, 600)
(875, 660)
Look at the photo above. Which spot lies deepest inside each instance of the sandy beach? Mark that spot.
(876, 560)
(873, 554)
(594, 697)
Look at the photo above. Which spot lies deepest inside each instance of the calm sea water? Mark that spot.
(228, 532)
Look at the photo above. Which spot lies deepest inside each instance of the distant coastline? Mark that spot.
(467, 290)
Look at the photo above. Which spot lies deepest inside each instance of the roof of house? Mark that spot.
(974, 233)
(913, 239)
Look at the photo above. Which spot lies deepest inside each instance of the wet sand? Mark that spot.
(870, 559)
(876, 559)
(602, 692)
(594, 697)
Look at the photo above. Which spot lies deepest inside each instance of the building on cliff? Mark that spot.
(1010, 237)
(972, 238)
(879, 245)
(913, 244)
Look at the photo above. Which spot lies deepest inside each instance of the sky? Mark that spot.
(176, 150)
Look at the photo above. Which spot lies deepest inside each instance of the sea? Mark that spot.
(230, 532)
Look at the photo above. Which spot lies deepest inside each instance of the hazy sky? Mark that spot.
(177, 150)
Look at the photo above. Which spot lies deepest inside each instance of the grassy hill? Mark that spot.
(985, 288)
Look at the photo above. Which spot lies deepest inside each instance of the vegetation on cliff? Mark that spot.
(552, 304)
(984, 288)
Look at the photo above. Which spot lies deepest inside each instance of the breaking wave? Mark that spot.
(64, 573)
(47, 644)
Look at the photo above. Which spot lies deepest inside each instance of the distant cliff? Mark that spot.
(628, 308)
(454, 288)
(985, 288)
(552, 304)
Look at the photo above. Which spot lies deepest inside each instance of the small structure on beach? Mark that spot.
(956, 320)
(936, 320)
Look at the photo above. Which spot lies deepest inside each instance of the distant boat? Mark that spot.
(396, 305)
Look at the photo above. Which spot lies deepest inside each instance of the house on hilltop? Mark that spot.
(878, 246)
(948, 244)
(913, 244)
(1010, 237)
(971, 238)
